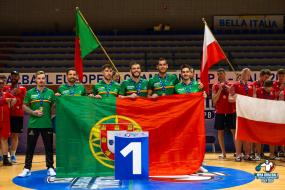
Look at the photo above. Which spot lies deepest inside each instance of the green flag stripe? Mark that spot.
(74, 124)
(88, 42)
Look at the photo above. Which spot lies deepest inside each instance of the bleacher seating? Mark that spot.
(55, 53)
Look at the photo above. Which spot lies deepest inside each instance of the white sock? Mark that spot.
(13, 153)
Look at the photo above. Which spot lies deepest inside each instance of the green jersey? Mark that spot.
(182, 88)
(40, 100)
(106, 90)
(129, 87)
(164, 85)
(75, 90)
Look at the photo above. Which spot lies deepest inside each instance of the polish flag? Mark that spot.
(212, 54)
(260, 120)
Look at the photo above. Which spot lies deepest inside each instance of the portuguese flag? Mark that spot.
(85, 42)
(85, 133)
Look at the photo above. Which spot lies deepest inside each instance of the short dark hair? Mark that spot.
(221, 70)
(264, 72)
(134, 63)
(183, 66)
(281, 72)
(109, 66)
(162, 59)
(70, 69)
(268, 83)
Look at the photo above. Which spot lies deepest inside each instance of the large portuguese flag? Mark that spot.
(85, 126)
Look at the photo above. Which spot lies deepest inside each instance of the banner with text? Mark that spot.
(249, 23)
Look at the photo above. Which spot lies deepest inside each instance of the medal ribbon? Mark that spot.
(108, 88)
(41, 98)
(138, 87)
(188, 90)
(162, 84)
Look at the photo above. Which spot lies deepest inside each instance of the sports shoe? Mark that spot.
(274, 158)
(13, 159)
(202, 170)
(7, 162)
(25, 173)
(280, 154)
(51, 172)
(248, 158)
(222, 156)
(257, 158)
(238, 158)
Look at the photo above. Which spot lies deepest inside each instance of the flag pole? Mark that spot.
(105, 52)
(228, 61)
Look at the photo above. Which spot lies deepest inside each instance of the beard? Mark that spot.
(135, 75)
(72, 80)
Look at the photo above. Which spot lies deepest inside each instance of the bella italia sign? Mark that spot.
(249, 23)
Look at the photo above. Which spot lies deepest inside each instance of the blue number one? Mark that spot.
(134, 147)
(131, 158)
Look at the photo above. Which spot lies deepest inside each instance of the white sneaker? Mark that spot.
(202, 170)
(51, 172)
(25, 173)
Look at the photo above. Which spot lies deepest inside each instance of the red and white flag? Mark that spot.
(260, 120)
(212, 54)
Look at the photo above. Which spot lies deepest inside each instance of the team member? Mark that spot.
(17, 113)
(242, 87)
(280, 80)
(38, 103)
(282, 98)
(265, 92)
(263, 76)
(225, 115)
(135, 85)
(282, 92)
(162, 83)
(71, 88)
(188, 84)
(7, 100)
(106, 87)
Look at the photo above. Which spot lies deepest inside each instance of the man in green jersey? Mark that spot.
(162, 83)
(188, 84)
(135, 85)
(71, 88)
(37, 103)
(106, 87)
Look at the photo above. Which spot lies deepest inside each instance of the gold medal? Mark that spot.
(163, 94)
(41, 108)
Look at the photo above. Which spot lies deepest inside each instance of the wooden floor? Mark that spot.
(8, 173)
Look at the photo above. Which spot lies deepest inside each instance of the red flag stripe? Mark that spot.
(176, 131)
(260, 132)
(78, 63)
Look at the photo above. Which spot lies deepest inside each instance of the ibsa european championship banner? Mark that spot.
(92, 78)
(265, 23)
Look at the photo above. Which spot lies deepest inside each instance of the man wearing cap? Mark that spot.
(17, 113)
